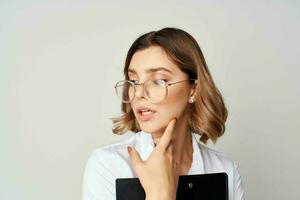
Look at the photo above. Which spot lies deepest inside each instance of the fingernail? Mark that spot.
(175, 120)
(129, 149)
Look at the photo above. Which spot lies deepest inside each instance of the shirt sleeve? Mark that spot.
(98, 181)
(238, 187)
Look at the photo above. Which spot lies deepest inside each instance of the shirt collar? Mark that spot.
(146, 146)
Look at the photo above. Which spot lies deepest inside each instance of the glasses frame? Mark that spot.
(135, 84)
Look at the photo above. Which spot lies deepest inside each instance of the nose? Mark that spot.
(139, 91)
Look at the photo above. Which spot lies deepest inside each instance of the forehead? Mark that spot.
(150, 60)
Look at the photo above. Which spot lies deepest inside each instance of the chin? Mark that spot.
(150, 127)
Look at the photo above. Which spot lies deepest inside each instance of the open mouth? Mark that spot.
(145, 113)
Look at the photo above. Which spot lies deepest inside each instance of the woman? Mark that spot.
(168, 96)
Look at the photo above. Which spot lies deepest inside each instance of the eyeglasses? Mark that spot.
(155, 90)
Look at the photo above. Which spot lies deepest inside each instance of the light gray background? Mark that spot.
(59, 61)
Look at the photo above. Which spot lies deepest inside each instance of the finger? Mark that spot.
(167, 136)
(169, 151)
(134, 157)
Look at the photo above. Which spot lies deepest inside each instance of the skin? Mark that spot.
(169, 126)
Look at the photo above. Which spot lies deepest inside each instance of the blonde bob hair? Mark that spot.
(208, 112)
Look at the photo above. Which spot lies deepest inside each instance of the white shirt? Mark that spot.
(110, 162)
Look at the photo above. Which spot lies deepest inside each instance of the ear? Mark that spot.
(193, 92)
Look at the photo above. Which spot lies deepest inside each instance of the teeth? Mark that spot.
(146, 112)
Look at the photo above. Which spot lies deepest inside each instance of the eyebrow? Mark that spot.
(152, 70)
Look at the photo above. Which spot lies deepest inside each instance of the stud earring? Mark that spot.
(191, 100)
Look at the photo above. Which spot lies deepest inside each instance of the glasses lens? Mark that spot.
(156, 90)
(125, 91)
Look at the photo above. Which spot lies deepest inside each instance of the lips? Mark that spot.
(145, 113)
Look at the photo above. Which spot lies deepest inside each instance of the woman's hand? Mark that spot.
(159, 174)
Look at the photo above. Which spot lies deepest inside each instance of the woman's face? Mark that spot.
(153, 63)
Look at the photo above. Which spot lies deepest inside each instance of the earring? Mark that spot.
(191, 100)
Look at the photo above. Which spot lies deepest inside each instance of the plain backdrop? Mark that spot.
(59, 61)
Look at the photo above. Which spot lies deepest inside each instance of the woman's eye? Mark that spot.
(160, 82)
(165, 80)
(134, 81)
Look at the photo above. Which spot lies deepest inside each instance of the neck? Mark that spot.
(182, 144)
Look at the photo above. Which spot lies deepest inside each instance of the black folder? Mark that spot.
(190, 187)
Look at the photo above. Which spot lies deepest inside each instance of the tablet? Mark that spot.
(200, 186)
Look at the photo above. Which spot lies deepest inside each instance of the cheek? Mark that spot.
(175, 104)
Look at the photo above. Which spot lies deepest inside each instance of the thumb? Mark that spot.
(134, 156)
